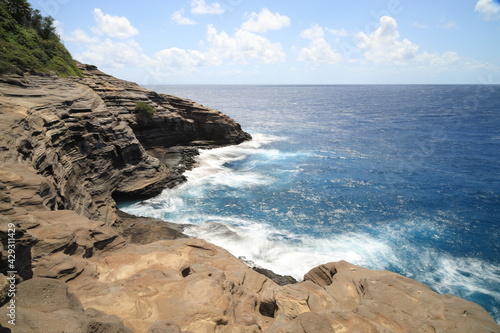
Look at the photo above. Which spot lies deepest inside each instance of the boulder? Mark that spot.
(355, 299)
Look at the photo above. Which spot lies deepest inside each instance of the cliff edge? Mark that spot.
(86, 135)
(70, 146)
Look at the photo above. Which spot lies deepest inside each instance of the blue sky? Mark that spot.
(284, 42)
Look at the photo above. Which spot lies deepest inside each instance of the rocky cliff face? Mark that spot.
(69, 145)
(85, 134)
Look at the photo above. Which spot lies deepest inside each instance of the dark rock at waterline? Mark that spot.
(144, 230)
(281, 280)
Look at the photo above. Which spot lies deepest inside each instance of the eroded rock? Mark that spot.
(69, 145)
(46, 305)
(85, 136)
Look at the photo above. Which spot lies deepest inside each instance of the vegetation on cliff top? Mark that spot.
(28, 42)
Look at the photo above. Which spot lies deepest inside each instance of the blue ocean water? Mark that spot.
(404, 178)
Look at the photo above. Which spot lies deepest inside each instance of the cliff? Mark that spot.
(85, 136)
(70, 146)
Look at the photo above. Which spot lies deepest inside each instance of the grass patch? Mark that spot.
(144, 109)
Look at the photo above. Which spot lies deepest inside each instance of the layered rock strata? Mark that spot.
(69, 145)
(85, 134)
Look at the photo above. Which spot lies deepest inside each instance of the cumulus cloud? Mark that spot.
(264, 21)
(319, 50)
(341, 32)
(113, 26)
(80, 36)
(179, 18)
(112, 54)
(489, 9)
(179, 58)
(219, 48)
(242, 46)
(314, 32)
(384, 44)
(201, 7)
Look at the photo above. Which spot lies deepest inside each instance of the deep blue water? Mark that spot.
(404, 178)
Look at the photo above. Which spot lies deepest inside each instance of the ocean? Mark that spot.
(398, 177)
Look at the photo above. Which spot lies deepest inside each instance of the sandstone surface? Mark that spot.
(69, 147)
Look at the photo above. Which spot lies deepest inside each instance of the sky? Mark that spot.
(284, 42)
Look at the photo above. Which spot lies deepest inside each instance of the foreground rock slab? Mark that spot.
(202, 288)
(46, 305)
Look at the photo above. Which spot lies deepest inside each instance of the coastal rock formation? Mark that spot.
(69, 147)
(52, 308)
(202, 288)
(86, 135)
(190, 285)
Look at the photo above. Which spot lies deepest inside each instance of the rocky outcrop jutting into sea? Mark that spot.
(70, 146)
(85, 135)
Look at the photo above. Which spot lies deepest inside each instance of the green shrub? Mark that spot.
(144, 109)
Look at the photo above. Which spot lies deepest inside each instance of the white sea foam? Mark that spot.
(466, 275)
(210, 170)
(213, 161)
(287, 253)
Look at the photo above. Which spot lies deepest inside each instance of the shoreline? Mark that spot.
(70, 146)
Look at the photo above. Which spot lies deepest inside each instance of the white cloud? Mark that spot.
(59, 27)
(201, 7)
(314, 32)
(318, 50)
(447, 24)
(220, 48)
(341, 32)
(265, 20)
(439, 60)
(384, 44)
(242, 46)
(113, 26)
(113, 54)
(80, 36)
(179, 18)
(179, 58)
(420, 25)
(489, 9)
(448, 61)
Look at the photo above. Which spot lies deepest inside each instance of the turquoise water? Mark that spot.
(404, 178)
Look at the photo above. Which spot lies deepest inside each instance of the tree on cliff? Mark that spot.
(29, 42)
